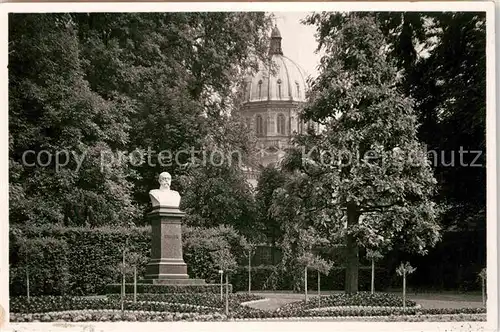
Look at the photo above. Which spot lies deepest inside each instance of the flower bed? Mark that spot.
(293, 312)
(195, 299)
(208, 307)
(393, 318)
(365, 299)
(45, 304)
(114, 315)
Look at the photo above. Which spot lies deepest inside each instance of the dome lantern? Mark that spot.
(275, 47)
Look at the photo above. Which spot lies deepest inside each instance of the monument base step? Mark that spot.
(183, 281)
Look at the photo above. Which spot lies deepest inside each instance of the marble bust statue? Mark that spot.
(164, 197)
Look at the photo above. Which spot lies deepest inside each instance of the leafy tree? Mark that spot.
(446, 76)
(441, 60)
(310, 261)
(53, 109)
(101, 84)
(321, 266)
(217, 193)
(270, 179)
(403, 270)
(367, 168)
(373, 255)
(482, 275)
(135, 261)
(207, 250)
(178, 71)
(249, 252)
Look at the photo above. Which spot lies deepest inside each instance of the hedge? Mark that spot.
(167, 289)
(82, 261)
(266, 277)
(45, 261)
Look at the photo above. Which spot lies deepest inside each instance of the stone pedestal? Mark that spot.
(166, 265)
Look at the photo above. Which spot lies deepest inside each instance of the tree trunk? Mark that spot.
(123, 281)
(135, 284)
(352, 253)
(28, 284)
(305, 282)
(483, 290)
(249, 272)
(221, 288)
(319, 290)
(373, 276)
(227, 296)
(404, 292)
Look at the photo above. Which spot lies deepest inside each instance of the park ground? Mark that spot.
(274, 300)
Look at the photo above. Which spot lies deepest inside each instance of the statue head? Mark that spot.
(165, 179)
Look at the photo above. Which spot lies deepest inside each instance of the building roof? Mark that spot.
(279, 79)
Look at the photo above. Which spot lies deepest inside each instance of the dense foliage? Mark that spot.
(364, 181)
(270, 179)
(441, 63)
(106, 92)
(92, 88)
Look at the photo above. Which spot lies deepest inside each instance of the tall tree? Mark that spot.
(214, 188)
(178, 71)
(125, 85)
(367, 166)
(270, 179)
(441, 58)
(53, 113)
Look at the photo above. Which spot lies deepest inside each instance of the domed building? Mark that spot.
(272, 98)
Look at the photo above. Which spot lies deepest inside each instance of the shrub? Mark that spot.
(97, 252)
(204, 249)
(261, 278)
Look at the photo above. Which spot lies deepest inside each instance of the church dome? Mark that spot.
(281, 79)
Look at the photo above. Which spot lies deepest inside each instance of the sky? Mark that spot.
(298, 41)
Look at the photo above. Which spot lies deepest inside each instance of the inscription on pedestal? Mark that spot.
(172, 237)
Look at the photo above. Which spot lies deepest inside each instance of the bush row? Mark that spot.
(267, 277)
(166, 289)
(46, 254)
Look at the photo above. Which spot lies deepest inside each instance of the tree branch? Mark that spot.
(378, 208)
